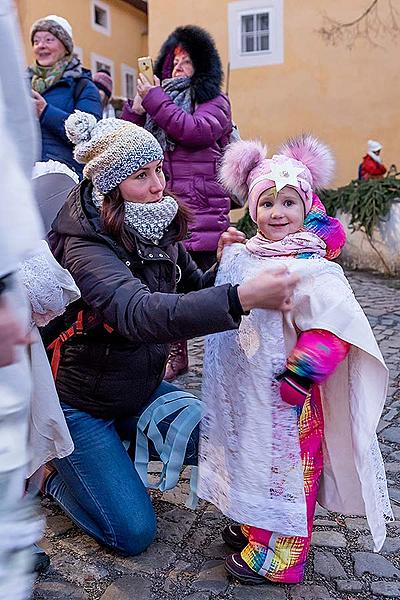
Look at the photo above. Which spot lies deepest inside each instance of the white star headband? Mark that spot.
(282, 173)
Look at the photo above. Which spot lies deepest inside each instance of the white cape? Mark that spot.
(50, 288)
(240, 460)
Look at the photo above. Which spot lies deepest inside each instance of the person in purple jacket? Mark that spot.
(191, 118)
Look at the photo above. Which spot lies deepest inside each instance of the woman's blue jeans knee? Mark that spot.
(98, 486)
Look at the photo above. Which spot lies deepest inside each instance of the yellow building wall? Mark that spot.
(127, 41)
(343, 96)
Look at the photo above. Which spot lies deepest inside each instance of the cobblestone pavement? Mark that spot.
(186, 559)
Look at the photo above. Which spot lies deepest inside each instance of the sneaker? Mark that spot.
(236, 566)
(233, 537)
(178, 362)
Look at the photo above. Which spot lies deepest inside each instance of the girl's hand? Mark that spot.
(40, 102)
(230, 236)
(143, 85)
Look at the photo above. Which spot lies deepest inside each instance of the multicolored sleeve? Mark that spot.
(329, 229)
(316, 355)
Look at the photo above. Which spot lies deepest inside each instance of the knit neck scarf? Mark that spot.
(150, 220)
(45, 77)
(178, 89)
(302, 244)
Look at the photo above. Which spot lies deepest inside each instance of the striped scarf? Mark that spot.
(45, 77)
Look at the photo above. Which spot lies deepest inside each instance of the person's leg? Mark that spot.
(99, 488)
(283, 558)
(178, 360)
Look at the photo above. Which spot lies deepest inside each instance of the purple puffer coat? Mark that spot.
(191, 167)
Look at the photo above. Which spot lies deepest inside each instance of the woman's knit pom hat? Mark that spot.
(103, 81)
(110, 149)
(304, 163)
(57, 26)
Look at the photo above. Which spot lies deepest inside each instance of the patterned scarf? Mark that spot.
(45, 77)
(178, 88)
(150, 220)
(302, 244)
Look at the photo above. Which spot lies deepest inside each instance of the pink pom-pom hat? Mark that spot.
(304, 163)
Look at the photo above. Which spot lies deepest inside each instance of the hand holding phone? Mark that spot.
(145, 65)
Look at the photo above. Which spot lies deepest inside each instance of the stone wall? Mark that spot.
(358, 252)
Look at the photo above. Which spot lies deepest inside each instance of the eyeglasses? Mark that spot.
(45, 40)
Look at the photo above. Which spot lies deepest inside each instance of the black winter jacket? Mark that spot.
(113, 375)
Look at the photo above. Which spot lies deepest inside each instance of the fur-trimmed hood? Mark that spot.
(208, 74)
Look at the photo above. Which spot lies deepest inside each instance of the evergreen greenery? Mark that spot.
(368, 203)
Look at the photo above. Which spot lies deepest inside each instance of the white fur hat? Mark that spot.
(58, 26)
(373, 146)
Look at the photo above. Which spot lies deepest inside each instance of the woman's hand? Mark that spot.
(230, 236)
(137, 106)
(143, 85)
(40, 102)
(270, 289)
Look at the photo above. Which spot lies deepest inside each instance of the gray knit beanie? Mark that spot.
(57, 26)
(111, 149)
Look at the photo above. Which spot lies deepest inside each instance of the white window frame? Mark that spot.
(272, 56)
(103, 6)
(107, 62)
(127, 70)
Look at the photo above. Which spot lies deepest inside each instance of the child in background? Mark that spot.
(104, 84)
(291, 402)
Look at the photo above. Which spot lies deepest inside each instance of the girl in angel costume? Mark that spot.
(291, 401)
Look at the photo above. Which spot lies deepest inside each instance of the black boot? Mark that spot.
(234, 538)
(41, 561)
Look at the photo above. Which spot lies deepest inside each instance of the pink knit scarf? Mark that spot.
(291, 245)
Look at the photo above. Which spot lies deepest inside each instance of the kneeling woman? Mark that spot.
(119, 235)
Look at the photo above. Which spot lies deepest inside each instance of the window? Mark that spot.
(101, 63)
(255, 33)
(101, 17)
(128, 79)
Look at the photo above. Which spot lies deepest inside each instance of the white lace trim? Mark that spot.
(380, 511)
(49, 287)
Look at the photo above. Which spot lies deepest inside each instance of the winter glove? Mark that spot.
(294, 389)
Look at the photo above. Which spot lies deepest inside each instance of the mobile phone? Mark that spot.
(145, 65)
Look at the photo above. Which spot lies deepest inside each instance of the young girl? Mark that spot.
(291, 400)
(120, 234)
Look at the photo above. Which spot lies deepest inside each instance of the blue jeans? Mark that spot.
(98, 486)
